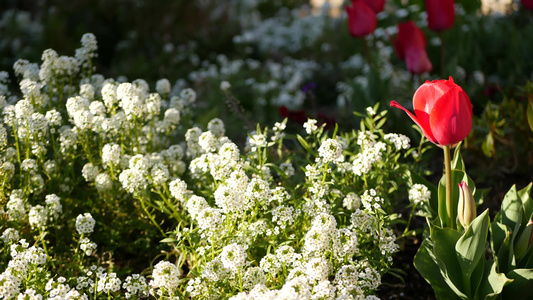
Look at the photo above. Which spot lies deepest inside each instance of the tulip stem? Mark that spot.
(367, 51)
(442, 55)
(448, 172)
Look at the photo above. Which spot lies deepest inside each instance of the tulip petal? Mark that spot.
(417, 60)
(423, 122)
(451, 117)
(426, 95)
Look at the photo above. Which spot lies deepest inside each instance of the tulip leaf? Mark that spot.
(471, 245)
(526, 261)
(426, 263)
(511, 213)
(446, 258)
(527, 202)
(520, 288)
(458, 163)
(499, 232)
(494, 283)
(457, 177)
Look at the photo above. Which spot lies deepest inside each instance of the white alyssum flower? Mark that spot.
(87, 246)
(53, 206)
(331, 151)
(85, 223)
(165, 275)
(215, 270)
(216, 126)
(400, 141)
(224, 85)
(419, 193)
(162, 86)
(351, 201)
(371, 201)
(132, 180)
(178, 188)
(38, 216)
(111, 154)
(310, 126)
(287, 168)
(89, 172)
(135, 285)
(233, 256)
(10, 235)
(103, 182)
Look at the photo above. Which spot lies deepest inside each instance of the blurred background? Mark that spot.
(297, 59)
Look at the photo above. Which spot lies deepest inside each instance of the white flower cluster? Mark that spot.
(371, 154)
(419, 193)
(85, 223)
(310, 126)
(135, 286)
(331, 151)
(166, 277)
(371, 201)
(400, 141)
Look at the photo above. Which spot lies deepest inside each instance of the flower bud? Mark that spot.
(466, 210)
(524, 241)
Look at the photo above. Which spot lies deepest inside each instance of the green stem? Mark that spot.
(442, 55)
(367, 51)
(141, 199)
(448, 172)
(409, 221)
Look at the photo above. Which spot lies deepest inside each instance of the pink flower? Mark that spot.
(442, 110)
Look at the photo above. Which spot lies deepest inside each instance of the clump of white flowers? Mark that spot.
(85, 223)
(270, 219)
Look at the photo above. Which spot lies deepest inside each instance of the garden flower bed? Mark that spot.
(275, 168)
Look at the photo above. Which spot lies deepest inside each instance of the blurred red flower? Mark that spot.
(376, 5)
(441, 14)
(528, 4)
(362, 19)
(410, 45)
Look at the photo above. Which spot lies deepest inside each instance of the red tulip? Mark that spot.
(528, 4)
(441, 14)
(361, 18)
(376, 5)
(442, 110)
(410, 45)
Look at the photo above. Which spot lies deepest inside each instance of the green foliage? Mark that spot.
(454, 261)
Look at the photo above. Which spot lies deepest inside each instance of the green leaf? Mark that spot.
(444, 250)
(521, 287)
(425, 263)
(499, 232)
(527, 203)
(494, 283)
(530, 114)
(511, 210)
(304, 144)
(457, 177)
(470, 247)
(488, 145)
(457, 161)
